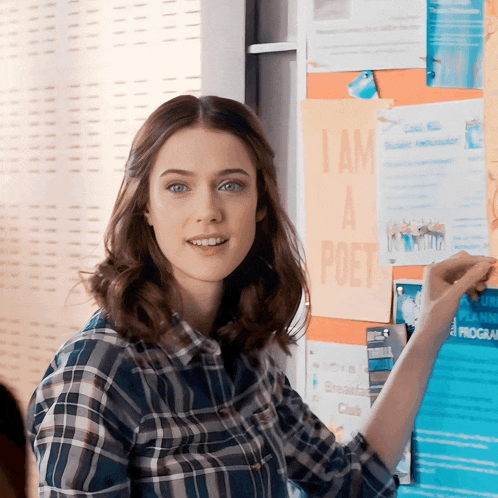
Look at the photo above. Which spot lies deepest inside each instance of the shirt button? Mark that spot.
(256, 467)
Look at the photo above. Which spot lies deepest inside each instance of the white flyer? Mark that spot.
(354, 35)
(337, 385)
(431, 182)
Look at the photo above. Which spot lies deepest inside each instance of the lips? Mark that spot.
(208, 242)
(218, 242)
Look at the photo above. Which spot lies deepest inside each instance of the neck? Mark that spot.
(201, 306)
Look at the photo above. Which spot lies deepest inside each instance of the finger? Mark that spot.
(476, 290)
(488, 275)
(491, 272)
(453, 268)
(474, 295)
(475, 274)
(480, 287)
(462, 259)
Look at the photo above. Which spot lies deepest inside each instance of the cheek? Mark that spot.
(245, 220)
(242, 213)
(167, 228)
(166, 215)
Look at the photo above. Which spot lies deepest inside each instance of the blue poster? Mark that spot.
(455, 441)
(455, 43)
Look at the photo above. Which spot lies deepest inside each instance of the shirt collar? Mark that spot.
(183, 343)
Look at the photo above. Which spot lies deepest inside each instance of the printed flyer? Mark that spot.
(337, 385)
(455, 43)
(342, 242)
(431, 180)
(456, 438)
(352, 35)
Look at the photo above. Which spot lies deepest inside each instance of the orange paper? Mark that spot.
(341, 221)
(404, 86)
(341, 331)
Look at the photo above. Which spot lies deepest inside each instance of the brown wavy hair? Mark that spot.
(134, 283)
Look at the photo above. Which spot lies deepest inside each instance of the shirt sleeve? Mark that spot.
(82, 421)
(318, 463)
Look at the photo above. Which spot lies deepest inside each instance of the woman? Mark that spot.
(170, 390)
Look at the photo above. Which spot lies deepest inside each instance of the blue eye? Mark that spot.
(235, 186)
(177, 188)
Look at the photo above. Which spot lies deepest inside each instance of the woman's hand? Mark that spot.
(445, 283)
(390, 421)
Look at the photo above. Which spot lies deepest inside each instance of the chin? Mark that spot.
(208, 276)
(214, 277)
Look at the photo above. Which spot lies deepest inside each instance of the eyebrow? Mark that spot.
(183, 172)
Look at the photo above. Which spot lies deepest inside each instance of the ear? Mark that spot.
(261, 214)
(147, 215)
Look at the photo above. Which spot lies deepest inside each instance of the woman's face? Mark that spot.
(202, 204)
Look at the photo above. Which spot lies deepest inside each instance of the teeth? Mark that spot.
(207, 242)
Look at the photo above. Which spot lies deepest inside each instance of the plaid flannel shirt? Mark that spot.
(113, 418)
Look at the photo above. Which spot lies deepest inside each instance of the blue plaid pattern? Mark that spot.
(113, 418)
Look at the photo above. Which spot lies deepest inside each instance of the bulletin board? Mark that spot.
(406, 87)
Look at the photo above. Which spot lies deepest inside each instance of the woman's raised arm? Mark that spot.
(392, 417)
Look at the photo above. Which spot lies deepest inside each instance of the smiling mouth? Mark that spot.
(207, 245)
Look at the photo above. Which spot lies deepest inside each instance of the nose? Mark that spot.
(209, 207)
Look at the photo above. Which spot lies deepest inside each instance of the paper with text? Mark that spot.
(455, 43)
(337, 386)
(455, 438)
(341, 224)
(431, 182)
(353, 35)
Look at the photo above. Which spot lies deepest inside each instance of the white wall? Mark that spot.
(77, 79)
(223, 48)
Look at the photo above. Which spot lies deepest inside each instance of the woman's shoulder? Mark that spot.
(95, 360)
(97, 346)
(99, 327)
(95, 370)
